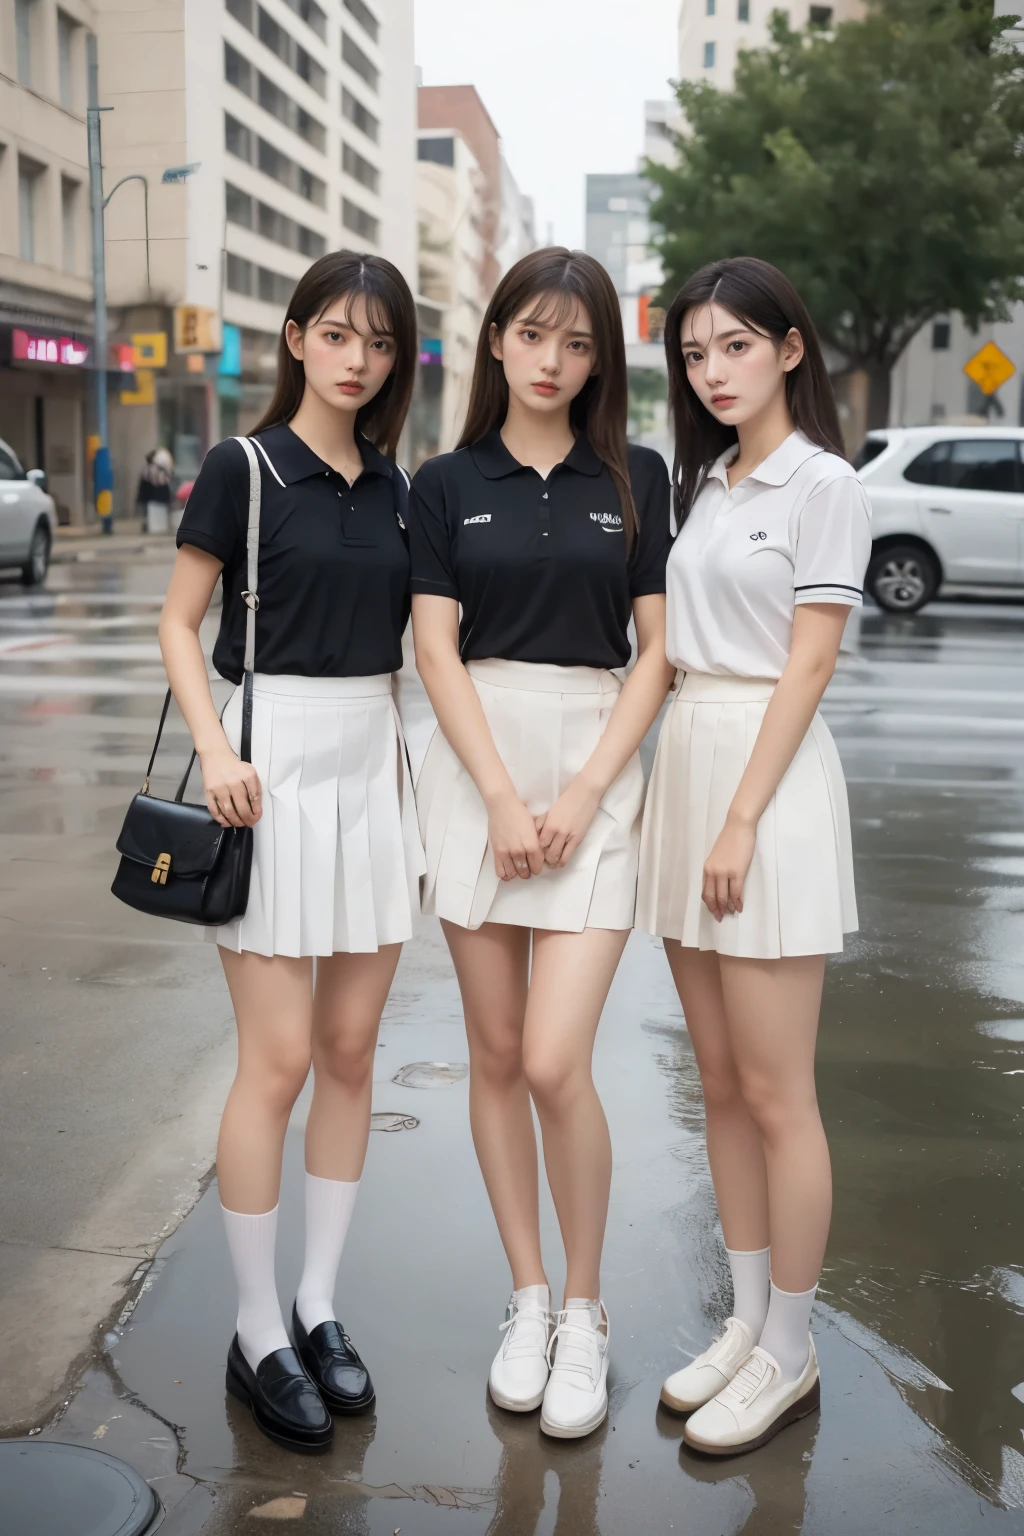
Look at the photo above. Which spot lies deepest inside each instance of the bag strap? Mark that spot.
(251, 599)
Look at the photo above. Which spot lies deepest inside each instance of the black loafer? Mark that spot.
(331, 1360)
(285, 1404)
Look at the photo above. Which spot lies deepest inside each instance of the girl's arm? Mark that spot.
(232, 787)
(510, 827)
(564, 826)
(817, 631)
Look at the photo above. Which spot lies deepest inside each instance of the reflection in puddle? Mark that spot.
(1004, 1029)
(431, 1074)
(387, 1120)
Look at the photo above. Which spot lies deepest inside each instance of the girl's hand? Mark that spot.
(725, 869)
(513, 837)
(233, 793)
(564, 826)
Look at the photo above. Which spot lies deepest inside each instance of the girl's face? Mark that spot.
(547, 357)
(345, 360)
(735, 371)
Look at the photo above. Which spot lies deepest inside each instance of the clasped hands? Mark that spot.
(523, 844)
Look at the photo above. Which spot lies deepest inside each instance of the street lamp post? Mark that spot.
(103, 480)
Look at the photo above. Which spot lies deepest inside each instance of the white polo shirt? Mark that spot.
(796, 530)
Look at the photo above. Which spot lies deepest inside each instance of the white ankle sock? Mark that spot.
(252, 1240)
(786, 1329)
(750, 1282)
(329, 1206)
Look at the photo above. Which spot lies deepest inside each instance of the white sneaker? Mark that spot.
(519, 1371)
(756, 1404)
(576, 1398)
(701, 1380)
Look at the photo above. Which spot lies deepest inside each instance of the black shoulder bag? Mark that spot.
(176, 860)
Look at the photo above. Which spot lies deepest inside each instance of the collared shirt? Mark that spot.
(539, 565)
(333, 564)
(795, 530)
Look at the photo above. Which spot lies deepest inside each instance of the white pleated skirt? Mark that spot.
(545, 721)
(798, 898)
(336, 854)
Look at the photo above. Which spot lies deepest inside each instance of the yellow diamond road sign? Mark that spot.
(989, 368)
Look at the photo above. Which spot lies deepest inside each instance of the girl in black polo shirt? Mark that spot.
(550, 533)
(336, 851)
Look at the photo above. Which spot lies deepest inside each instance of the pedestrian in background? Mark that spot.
(154, 494)
(336, 855)
(746, 867)
(549, 533)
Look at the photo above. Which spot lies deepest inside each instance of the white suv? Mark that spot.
(947, 506)
(28, 518)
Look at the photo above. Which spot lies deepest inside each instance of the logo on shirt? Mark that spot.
(484, 517)
(758, 536)
(610, 522)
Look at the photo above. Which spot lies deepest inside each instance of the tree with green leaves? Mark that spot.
(880, 166)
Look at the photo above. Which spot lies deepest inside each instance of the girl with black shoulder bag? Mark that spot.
(324, 787)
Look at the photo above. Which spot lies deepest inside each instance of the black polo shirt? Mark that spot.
(334, 563)
(539, 566)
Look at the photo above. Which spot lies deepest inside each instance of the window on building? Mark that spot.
(742, 10)
(239, 274)
(709, 55)
(238, 206)
(440, 151)
(311, 14)
(358, 115)
(66, 29)
(273, 287)
(250, 213)
(365, 17)
(24, 26)
(238, 139)
(359, 221)
(820, 16)
(29, 174)
(253, 83)
(354, 165)
(254, 150)
(280, 42)
(237, 70)
(356, 59)
(940, 335)
(69, 198)
(709, 7)
(972, 464)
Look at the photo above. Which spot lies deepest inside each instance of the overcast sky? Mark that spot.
(564, 80)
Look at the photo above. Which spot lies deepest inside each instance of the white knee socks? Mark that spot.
(786, 1329)
(750, 1282)
(329, 1206)
(251, 1240)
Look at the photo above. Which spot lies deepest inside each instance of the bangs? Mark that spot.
(553, 309)
(379, 316)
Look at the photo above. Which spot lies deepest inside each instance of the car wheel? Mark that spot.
(33, 572)
(903, 577)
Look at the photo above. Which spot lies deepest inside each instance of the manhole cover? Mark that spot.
(387, 1120)
(52, 1489)
(431, 1074)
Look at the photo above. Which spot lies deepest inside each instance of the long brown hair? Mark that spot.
(546, 286)
(391, 311)
(763, 298)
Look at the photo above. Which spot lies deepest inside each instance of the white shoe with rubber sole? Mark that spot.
(697, 1383)
(519, 1372)
(576, 1397)
(756, 1404)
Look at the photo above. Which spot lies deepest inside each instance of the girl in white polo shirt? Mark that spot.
(746, 867)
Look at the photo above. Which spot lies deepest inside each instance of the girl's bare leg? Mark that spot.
(569, 983)
(492, 965)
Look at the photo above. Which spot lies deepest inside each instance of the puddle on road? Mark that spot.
(431, 1074)
(387, 1120)
(1004, 1029)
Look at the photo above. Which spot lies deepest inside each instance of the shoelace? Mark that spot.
(579, 1348)
(523, 1312)
(747, 1379)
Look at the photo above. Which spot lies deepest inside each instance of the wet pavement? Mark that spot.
(123, 1044)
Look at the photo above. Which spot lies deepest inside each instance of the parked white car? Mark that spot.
(947, 508)
(28, 518)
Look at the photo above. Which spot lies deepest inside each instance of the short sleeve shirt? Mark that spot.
(333, 562)
(795, 530)
(540, 566)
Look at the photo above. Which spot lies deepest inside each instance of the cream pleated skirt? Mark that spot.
(336, 854)
(799, 896)
(545, 721)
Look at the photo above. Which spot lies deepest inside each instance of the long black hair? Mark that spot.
(391, 311)
(549, 284)
(763, 298)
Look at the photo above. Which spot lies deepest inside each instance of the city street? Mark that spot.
(116, 1301)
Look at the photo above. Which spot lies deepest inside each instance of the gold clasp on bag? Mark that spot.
(163, 864)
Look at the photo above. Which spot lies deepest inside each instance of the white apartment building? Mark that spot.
(713, 32)
(45, 288)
